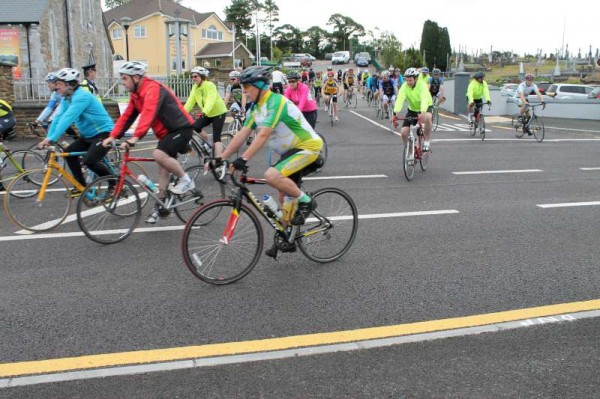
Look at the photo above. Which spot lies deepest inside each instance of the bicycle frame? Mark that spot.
(9, 157)
(53, 165)
(413, 137)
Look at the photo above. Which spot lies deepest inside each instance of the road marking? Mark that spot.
(344, 177)
(569, 204)
(375, 123)
(175, 228)
(484, 172)
(572, 130)
(445, 127)
(135, 362)
(450, 117)
(503, 127)
(589, 168)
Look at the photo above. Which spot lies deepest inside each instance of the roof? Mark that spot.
(222, 49)
(138, 9)
(19, 11)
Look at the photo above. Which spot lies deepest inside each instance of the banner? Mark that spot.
(9, 50)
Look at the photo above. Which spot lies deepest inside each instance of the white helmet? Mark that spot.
(234, 74)
(200, 71)
(133, 68)
(414, 72)
(68, 75)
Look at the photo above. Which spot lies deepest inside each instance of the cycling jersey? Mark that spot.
(207, 98)
(290, 128)
(476, 91)
(387, 87)
(526, 90)
(374, 84)
(418, 97)
(350, 79)
(331, 87)
(434, 85)
(317, 83)
(236, 93)
(51, 107)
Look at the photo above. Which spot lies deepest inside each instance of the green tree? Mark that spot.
(316, 39)
(435, 44)
(390, 48)
(343, 28)
(288, 38)
(240, 14)
(271, 11)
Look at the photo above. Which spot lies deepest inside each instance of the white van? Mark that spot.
(340, 57)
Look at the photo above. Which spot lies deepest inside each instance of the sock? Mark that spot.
(303, 197)
(186, 178)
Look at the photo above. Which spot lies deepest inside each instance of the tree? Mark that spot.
(288, 38)
(343, 28)
(390, 48)
(272, 15)
(435, 44)
(240, 14)
(316, 40)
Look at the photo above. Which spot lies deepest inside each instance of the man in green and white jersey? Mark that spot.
(416, 93)
(280, 123)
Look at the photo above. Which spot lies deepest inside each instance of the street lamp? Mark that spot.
(126, 22)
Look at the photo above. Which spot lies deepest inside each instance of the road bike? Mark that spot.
(110, 207)
(530, 123)
(478, 121)
(350, 99)
(413, 149)
(13, 163)
(330, 111)
(435, 115)
(223, 241)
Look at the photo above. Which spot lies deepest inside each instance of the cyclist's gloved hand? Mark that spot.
(489, 103)
(239, 164)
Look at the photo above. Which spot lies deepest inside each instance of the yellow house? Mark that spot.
(147, 31)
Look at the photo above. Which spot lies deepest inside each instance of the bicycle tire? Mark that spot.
(537, 128)
(354, 101)
(481, 127)
(473, 126)
(408, 159)
(105, 216)
(44, 153)
(208, 189)
(30, 214)
(436, 118)
(24, 160)
(332, 216)
(423, 156)
(206, 255)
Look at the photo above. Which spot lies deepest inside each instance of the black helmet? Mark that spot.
(478, 75)
(256, 73)
(293, 75)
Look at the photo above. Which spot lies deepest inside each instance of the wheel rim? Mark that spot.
(208, 189)
(537, 127)
(409, 160)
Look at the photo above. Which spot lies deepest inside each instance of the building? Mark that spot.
(161, 32)
(39, 36)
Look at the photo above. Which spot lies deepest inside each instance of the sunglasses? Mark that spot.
(292, 81)
(195, 76)
(232, 78)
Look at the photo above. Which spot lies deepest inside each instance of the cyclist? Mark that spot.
(339, 75)
(304, 77)
(330, 93)
(281, 124)
(80, 107)
(436, 87)
(45, 118)
(234, 92)
(7, 121)
(365, 77)
(158, 108)
(311, 76)
(89, 75)
(424, 75)
(317, 84)
(278, 81)
(525, 89)
(375, 86)
(387, 91)
(206, 96)
(416, 93)
(477, 90)
(300, 95)
(349, 80)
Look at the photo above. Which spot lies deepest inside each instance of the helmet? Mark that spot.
(478, 75)
(391, 68)
(330, 73)
(257, 73)
(529, 76)
(68, 75)
(330, 68)
(385, 74)
(411, 72)
(200, 71)
(436, 71)
(424, 70)
(234, 74)
(133, 68)
(293, 75)
(51, 77)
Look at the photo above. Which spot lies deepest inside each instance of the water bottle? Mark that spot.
(271, 206)
(288, 207)
(148, 183)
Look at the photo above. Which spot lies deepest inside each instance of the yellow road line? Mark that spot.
(450, 117)
(275, 344)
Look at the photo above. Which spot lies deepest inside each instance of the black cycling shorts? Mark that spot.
(413, 114)
(175, 142)
(217, 123)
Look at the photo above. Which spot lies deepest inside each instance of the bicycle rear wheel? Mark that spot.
(481, 127)
(19, 162)
(423, 156)
(208, 189)
(409, 159)
(537, 128)
(105, 215)
(25, 210)
(330, 230)
(224, 248)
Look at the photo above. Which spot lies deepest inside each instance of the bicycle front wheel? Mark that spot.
(409, 159)
(330, 230)
(537, 128)
(106, 215)
(23, 205)
(481, 127)
(220, 244)
(208, 189)
(435, 118)
(354, 101)
(474, 126)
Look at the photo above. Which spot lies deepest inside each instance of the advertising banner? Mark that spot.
(9, 50)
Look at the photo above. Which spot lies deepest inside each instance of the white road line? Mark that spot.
(573, 130)
(176, 228)
(446, 128)
(589, 168)
(343, 177)
(375, 123)
(569, 204)
(484, 172)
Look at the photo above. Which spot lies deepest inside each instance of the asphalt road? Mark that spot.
(494, 248)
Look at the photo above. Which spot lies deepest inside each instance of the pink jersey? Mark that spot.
(301, 97)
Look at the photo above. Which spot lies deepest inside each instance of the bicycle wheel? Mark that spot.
(354, 101)
(23, 207)
(222, 249)
(19, 162)
(208, 189)
(481, 127)
(473, 127)
(537, 128)
(330, 231)
(435, 118)
(331, 112)
(409, 159)
(44, 153)
(105, 215)
(323, 153)
(423, 156)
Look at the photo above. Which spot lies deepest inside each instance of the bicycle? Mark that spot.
(223, 241)
(435, 115)
(110, 207)
(413, 152)
(531, 123)
(330, 108)
(478, 121)
(13, 163)
(28, 199)
(350, 98)
(318, 96)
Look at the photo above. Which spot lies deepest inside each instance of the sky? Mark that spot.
(506, 24)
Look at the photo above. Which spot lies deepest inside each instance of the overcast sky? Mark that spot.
(505, 24)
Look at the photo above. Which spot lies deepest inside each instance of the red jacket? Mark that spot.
(158, 108)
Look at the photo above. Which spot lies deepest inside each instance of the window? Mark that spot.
(218, 63)
(87, 14)
(117, 33)
(212, 33)
(139, 31)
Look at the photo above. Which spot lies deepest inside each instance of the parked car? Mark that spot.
(328, 56)
(569, 91)
(340, 57)
(304, 59)
(311, 57)
(363, 54)
(509, 89)
(362, 62)
(543, 86)
(595, 93)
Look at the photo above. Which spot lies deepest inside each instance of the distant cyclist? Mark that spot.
(387, 91)
(476, 92)
(525, 89)
(300, 95)
(436, 87)
(330, 93)
(234, 93)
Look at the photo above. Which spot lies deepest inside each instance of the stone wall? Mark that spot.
(7, 91)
